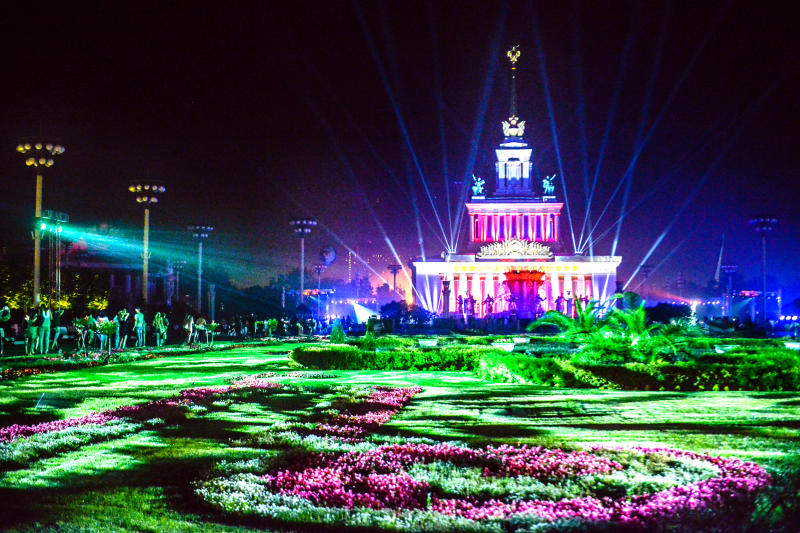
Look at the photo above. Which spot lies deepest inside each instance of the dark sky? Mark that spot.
(253, 112)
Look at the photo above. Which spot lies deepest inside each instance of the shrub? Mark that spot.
(511, 368)
(337, 332)
(778, 371)
(347, 357)
(334, 357)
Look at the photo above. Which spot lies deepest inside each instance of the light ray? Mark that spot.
(399, 116)
(553, 127)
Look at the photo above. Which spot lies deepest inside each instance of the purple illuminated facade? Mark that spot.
(514, 263)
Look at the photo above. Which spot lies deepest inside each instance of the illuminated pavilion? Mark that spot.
(514, 263)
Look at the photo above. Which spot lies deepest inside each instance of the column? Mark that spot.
(580, 290)
(568, 294)
(555, 292)
(555, 227)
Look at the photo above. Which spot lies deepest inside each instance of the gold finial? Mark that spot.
(513, 55)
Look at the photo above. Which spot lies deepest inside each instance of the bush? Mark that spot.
(347, 357)
(334, 357)
(775, 370)
(337, 332)
(511, 368)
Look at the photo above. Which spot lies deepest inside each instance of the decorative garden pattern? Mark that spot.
(398, 486)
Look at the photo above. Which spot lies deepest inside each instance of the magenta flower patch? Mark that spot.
(154, 409)
(379, 479)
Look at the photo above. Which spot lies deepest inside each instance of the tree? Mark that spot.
(337, 332)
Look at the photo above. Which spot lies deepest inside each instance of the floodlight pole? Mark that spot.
(146, 193)
(200, 233)
(394, 269)
(318, 270)
(762, 226)
(37, 244)
(730, 270)
(302, 227)
(39, 155)
(145, 253)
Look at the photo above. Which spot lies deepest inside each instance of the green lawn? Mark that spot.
(143, 481)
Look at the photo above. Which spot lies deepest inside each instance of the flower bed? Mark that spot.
(388, 487)
(363, 417)
(154, 409)
(77, 360)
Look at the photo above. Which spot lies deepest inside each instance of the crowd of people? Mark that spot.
(43, 328)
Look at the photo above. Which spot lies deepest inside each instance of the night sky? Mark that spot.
(250, 113)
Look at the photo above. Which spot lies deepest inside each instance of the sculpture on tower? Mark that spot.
(548, 186)
(513, 127)
(477, 185)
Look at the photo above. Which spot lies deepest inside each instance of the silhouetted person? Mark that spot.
(55, 328)
(138, 327)
(44, 329)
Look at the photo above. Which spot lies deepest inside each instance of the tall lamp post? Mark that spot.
(762, 226)
(394, 269)
(302, 227)
(38, 156)
(146, 195)
(200, 233)
(730, 270)
(51, 224)
(177, 267)
(646, 270)
(318, 270)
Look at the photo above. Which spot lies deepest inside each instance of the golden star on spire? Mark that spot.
(513, 55)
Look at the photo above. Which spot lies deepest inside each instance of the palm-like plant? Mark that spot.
(589, 318)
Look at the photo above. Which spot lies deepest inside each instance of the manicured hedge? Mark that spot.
(346, 357)
(708, 343)
(512, 368)
(772, 370)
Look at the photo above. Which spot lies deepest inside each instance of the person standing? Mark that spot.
(199, 326)
(188, 328)
(55, 329)
(5, 316)
(160, 329)
(138, 327)
(122, 328)
(44, 329)
(31, 332)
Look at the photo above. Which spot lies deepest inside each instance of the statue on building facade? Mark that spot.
(477, 185)
(548, 186)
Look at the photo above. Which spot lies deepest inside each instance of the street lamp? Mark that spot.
(200, 233)
(302, 227)
(177, 266)
(147, 193)
(394, 269)
(51, 223)
(38, 156)
(762, 226)
(318, 270)
(730, 270)
(646, 270)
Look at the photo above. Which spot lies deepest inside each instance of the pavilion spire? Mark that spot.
(513, 55)
(513, 128)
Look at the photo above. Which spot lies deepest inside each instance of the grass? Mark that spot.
(144, 481)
